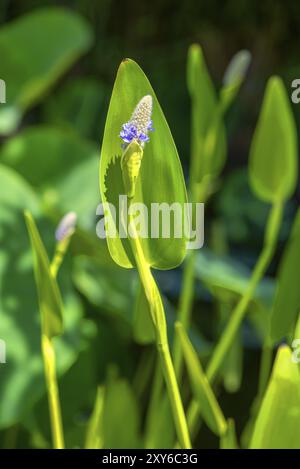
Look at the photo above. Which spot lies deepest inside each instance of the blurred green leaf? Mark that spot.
(94, 437)
(277, 424)
(22, 377)
(202, 391)
(78, 106)
(160, 431)
(229, 278)
(110, 288)
(58, 164)
(287, 298)
(273, 154)
(80, 382)
(36, 49)
(208, 133)
(232, 370)
(50, 303)
(160, 159)
(121, 419)
(229, 440)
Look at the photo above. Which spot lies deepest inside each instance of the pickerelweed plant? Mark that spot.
(139, 161)
(128, 174)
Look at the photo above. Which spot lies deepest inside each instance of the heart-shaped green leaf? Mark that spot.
(35, 50)
(273, 166)
(160, 179)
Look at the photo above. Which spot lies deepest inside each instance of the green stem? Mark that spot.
(50, 362)
(53, 394)
(159, 320)
(184, 308)
(222, 348)
(60, 251)
(198, 192)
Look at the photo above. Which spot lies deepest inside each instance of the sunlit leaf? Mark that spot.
(160, 179)
(278, 421)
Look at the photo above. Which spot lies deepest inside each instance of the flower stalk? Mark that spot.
(135, 135)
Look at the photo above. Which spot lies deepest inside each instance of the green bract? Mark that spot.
(273, 155)
(160, 178)
(49, 296)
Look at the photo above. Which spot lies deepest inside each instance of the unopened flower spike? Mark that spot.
(66, 226)
(139, 125)
(134, 134)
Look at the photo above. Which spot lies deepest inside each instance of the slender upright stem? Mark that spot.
(198, 192)
(159, 321)
(60, 251)
(184, 308)
(225, 342)
(53, 394)
(50, 364)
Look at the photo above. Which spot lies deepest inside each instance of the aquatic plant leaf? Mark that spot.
(160, 179)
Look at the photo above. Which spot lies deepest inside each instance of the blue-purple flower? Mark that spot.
(66, 226)
(139, 125)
